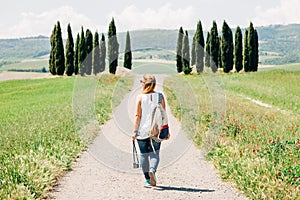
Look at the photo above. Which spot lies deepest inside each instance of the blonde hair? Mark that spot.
(149, 83)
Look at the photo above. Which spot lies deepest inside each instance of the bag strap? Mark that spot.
(152, 119)
(159, 97)
(134, 153)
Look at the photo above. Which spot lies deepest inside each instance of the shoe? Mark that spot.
(152, 177)
(147, 183)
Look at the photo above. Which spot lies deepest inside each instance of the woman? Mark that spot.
(146, 102)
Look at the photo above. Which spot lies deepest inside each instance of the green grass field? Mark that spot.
(153, 68)
(26, 65)
(276, 87)
(38, 136)
(139, 67)
(257, 148)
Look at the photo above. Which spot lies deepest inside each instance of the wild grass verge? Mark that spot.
(38, 136)
(257, 148)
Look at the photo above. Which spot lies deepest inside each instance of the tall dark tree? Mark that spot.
(256, 51)
(59, 52)
(227, 48)
(82, 53)
(193, 53)
(179, 50)
(52, 52)
(246, 52)
(102, 53)
(113, 47)
(238, 50)
(127, 52)
(220, 52)
(207, 51)
(214, 47)
(88, 48)
(96, 54)
(76, 57)
(199, 48)
(186, 54)
(252, 47)
(69, 53)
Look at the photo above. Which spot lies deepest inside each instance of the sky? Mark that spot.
(37, 17)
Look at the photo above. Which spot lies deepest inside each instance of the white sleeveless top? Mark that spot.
(148, 105)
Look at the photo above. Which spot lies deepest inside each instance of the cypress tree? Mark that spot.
(96, 54)
(88, 48)
(252, 47)
(76, 57)
(214, 47)
(199, 48)
(102, 53)
(256, 51)
(59, 52)
(128, 54)
(81, 53)
(193, 53)
(52, 52)
(186, 54)
(207, 50)
(179, 50)
(69, 53)
(238, 49)
(246, 52)
(220, 53)
(113, 47)
(227, 48)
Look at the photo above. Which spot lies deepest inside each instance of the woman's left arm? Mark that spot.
(163, 103)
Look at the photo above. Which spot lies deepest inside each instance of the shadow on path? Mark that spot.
(182, 189)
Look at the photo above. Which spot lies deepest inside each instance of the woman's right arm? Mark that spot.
(137, 118)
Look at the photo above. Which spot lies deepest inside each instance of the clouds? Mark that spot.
(286, 13)
(132, 18)
(32, 24)
(38, 18)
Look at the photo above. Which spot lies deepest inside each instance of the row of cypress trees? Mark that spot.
(218, 51)
(88, 55)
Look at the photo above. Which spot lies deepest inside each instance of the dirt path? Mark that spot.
(105, 170)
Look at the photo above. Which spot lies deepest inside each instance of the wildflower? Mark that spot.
(279, 174)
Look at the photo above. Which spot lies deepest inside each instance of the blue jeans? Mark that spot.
(146, 153)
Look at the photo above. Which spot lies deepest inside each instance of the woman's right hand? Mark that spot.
(133, 137)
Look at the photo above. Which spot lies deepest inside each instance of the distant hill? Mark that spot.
(278, 44)
(30, 47)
